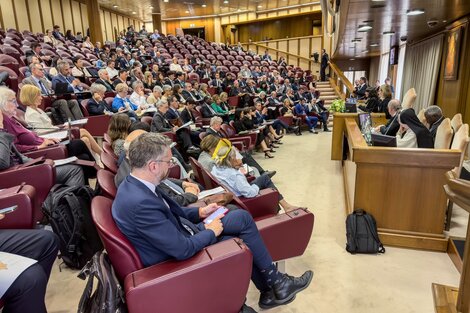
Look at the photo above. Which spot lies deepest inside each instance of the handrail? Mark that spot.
(280, 51)
(339, 82)
(282, 39)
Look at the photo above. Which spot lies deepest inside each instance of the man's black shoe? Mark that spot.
(326, 130)
(267, 300)
(286, 290)
(246, 309)
(270, 173)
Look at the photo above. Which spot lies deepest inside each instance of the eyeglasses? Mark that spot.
(13, 101)
(170, 162)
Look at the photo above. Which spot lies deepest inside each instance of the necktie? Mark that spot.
(187, 225)
(43, 88)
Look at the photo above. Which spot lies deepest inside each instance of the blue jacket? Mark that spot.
(299, 109)
(153, 228)
(119, 102)
(62, 79)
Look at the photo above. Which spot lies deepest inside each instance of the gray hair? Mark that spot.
(395, 105)
(158, 88)
(137, 84)
(96, 88)
(216, 120)
(166, 88)
(160, 103)
(101, 72)
(5, 93)
(146, 147)
(61, 65)
(432, 113)
(224, 162)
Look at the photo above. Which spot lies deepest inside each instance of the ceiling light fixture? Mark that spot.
(260, 6)
(186, 11)
(226, 1)
(134, 12)
(414, 12)
(352, 59)
(365, 51)
(357, 56)
(204, 5)
(374, 44)
(364, 28)
(166, 0)
(389, 33)
(151, 8)
(115, 6)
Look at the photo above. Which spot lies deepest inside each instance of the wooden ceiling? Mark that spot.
(390, 15)
(186, 8)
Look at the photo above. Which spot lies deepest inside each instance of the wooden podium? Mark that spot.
(401, 188)
(450, 299)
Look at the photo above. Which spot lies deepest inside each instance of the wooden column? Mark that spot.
(94, 20)
(157, 23)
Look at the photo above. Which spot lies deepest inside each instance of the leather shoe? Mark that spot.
(270, 173)
(267, 300)
(193, 149)
(246, 309)
(285, 290)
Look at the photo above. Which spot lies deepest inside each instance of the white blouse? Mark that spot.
(408, 140)
(38, 119)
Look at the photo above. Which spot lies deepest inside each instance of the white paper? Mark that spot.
(60, 135)
(184, 125)
(210, 192)
(79, 122)
(11, 266)
(65, 161)
(150, 110)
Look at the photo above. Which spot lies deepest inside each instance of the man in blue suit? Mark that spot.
(160, 229)
(64, 76)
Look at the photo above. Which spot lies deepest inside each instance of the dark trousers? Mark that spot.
(264, 181)
(323, 73)
(78, 148)
(184, 138)
(248, 159)
(278, 125)
(240, 224)
(26, 294)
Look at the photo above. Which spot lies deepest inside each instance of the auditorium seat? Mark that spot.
(168, 286)
(24, 197)
(97, 125)
(105, 181)
(456, 122)
(109, 161)
(443, 135)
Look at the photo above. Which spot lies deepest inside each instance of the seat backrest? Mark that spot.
(107, 138)
(460, 142)
(108, 149)
(109, 162)
(443, 135)
(422, 118)
(105, 180)
(122, 254)
(456, 122)
(84, 105)
(147, 119)
(228, 130)
(409, 99)
(197, 171)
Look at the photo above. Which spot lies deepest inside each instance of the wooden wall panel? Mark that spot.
(77, 21)
(304, 49)
(282, 45)
(46, 15)
(8, 14)
(109, 27)
(114, 22)
(22, 15)
(84, 16)
(57, 14)
(68, 19)
(35, 16)
(208, 23)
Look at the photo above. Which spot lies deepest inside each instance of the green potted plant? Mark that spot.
(338, 105)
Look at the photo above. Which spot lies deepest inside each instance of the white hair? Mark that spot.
(5, 93)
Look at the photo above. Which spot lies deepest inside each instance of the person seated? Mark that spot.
(149, 81)
(79, 71)
(138, 97)
(96, 104)
(64, 76)
(301, 110)
(64, 109)
(412, 133)
(216, 106)
(167, 91)
(179, 80)
(121, 78)
(317, 108)
(27, 292)
(206, 108)
(385, 95)
(122, 104)
(110, 68)
(68, 174)
(155, 96)
(160, 125)
(242, 124)
(50, 39)
(217, 83)
(187, 112)
(278, 127)
(161, 230)
(372, 102)
(41, 123)
(26, 140)
(434, 118)
(178, 93)
(392, 126)
(174, 66)
(105, 80)
(189, 93)
(226, 171)
(118, 130)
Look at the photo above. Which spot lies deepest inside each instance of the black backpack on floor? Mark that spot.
(68, 211)
(107, 296)
(361, 233)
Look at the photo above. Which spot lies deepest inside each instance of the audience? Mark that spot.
(434, 118)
